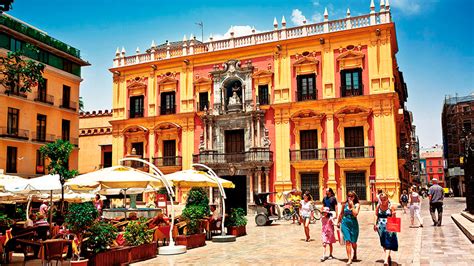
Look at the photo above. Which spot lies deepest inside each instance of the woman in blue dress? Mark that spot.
(388, 240)
(349, 225)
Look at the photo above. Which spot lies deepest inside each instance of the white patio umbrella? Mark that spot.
(46, 183)
(9, 179)
(195, 178)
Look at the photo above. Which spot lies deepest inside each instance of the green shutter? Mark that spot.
(4, 41)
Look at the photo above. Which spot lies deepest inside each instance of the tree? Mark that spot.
(58, 153)
(19, 74)
(81, 104)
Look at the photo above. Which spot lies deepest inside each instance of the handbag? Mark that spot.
(394, 224)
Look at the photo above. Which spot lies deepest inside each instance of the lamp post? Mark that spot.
(223, 237)
(171, 249)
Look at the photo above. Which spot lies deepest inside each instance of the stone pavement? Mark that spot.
(283, 244)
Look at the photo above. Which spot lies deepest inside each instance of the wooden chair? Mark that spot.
(54, 249)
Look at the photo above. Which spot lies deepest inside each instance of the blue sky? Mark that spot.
(435, 38)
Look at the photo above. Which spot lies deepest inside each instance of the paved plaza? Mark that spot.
(283, 244)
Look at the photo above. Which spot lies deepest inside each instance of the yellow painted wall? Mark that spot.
(90, 151)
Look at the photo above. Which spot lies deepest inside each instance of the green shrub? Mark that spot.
(236, 218)
(197, 196)
(137, 233)
(197, 207)
(100, 236)
(80, 216)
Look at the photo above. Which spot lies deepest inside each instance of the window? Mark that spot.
(65, 129)
(16, 45)
(430, 163)
(306, 87)
(39, 163)
(309, 144)
(354, 142)
(11, 159)
(355, 181)
(440, 170)
(351, 82)
(431, 170)
(466, 125)
(12, 123)
(136, 106)
(168, 103)
(169, 152)
(67, 66)
(42, 91)
(310, 182)
(66, 96)
(263, 97)
(138, 146)
(203, 101)
(439, 162)
(40, 127)
(107, 159)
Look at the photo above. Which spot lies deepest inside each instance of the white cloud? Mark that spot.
(317, 17)
(297, 17)
(409, 7)
(238, 31)
(316, 3)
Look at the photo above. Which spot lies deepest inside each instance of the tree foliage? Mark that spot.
(137, 233)
(58, 153)
(20, 74)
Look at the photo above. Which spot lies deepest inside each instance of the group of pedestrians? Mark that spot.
(344, 217)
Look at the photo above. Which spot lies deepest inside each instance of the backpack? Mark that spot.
(404, 198)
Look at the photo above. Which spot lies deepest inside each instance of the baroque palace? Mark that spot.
(307, 107)
(49, 112)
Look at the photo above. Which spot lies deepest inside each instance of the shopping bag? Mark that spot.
(394, 224)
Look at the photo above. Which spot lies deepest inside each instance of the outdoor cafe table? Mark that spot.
(122, 212)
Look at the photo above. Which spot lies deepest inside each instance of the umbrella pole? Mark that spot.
(28, 207)
(50, 210)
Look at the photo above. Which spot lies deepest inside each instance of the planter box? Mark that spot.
(236, 230)
(191, 241)
(119, 256)
(142, 252)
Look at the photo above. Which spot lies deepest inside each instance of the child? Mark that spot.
(327, 232)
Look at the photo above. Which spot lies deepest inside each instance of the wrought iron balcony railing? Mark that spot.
(308, 154)
(167, 110)
(354, 152)
(307, 97)
(136, 113)
(8, 132)
(15, 93)
(135, 164)
(42, 137)
(68, 105)
(348, 91)
(167, 161)
(44, 98)
(254, 155)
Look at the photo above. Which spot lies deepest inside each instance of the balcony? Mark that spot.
(17, 93)
(15, 133)
(306, 97)
(68, 105)
(259, 155)
(43, 137)
(308, 154)
(136, 113)
(354, 152)
(44, 98)
(349, 91)
(167, 110)
(167, 161)
(137, 165)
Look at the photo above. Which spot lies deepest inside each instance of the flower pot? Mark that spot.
(236, 230)
(82, 262)
(142, 252)
(114, 256)
(191, 241)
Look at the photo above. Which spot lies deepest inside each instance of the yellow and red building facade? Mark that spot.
(308, 107)
(46, 113)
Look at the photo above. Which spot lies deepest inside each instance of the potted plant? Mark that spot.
(5, 223)
(236, 222)
(100, 236)
(79, 218)
(197, 208)
(140, 238)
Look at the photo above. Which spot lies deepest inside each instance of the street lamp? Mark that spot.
(5, 5)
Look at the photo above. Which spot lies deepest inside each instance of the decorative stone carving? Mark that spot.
(201, 142)
(266, 139)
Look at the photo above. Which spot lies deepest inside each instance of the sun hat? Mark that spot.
(326, 209)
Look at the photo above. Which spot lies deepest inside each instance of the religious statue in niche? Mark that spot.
(266, 140)
(235, 99)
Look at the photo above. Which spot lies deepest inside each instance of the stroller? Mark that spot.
(267, 212)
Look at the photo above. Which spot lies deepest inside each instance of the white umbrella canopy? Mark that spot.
(195, 178)
(113, 177)
(9, 179)
(46, 183)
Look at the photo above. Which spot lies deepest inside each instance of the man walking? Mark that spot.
(436, 195)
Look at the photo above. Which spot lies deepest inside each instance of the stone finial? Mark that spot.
(283, 21)
(191, 37)
(304, 21)
(210, 37)
(117, 52)
(253, 29)
(348, 13)
(184, 38)
(232, 31)
(275, 23)
(387, 5)
(167, 43)
(326, 15)
(123, 51)
(138, 50)
(382, 5)
(153, 44)
(372, 6)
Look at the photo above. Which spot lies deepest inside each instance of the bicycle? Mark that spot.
(315, 214)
